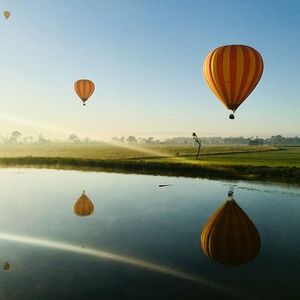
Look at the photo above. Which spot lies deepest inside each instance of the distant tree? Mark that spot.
(15, 136)
(178, 140)
(131, 140)
(142, 140)
(198, 142)
(74, 138)
(42, 140)
(150, 140)
(278, 139)
(255, 141)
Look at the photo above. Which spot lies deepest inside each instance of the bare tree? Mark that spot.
(197, 141)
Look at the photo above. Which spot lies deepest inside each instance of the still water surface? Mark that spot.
(142, 241)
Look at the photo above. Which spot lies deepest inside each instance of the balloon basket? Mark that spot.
(231, 116)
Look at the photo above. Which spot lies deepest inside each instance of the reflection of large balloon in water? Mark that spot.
(6, 14)
(84, 88)
(232, 72)
(83, 206)
(229, 236)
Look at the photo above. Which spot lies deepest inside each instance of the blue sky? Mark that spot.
(146, 59)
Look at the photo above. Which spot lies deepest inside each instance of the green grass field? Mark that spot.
(119, 151)
(239, 162)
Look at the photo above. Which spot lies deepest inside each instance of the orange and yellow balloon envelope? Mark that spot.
(84, 88)
(232, 72)
(229, 236)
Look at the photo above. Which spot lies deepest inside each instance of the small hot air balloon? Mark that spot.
(232, 72)
(83, 206)
(6, 14)
(229, 236)
(6, 266)
(84, 88)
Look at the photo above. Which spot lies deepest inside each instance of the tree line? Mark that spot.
(16, 137)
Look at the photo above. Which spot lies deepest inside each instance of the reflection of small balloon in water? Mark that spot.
(229, 236)
(6, 14)
(83, 206)
(6, 266)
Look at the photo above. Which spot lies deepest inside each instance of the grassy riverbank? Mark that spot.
(264, 163)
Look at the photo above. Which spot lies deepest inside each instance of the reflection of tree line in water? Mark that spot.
(229, 236)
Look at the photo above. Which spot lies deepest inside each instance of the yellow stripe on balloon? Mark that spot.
(239, 73)
(252, 67)
(215, 76)
(209, 77)
(226, 72)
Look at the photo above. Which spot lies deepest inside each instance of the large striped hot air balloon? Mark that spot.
(232, 72)
(83, 206)
(229, 236)
(84, 88)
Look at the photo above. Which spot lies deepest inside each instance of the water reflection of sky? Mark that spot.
(135, 218)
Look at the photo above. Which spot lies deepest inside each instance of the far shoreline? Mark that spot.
(263, 174)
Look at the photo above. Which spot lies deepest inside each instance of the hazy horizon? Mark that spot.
(137, 135)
